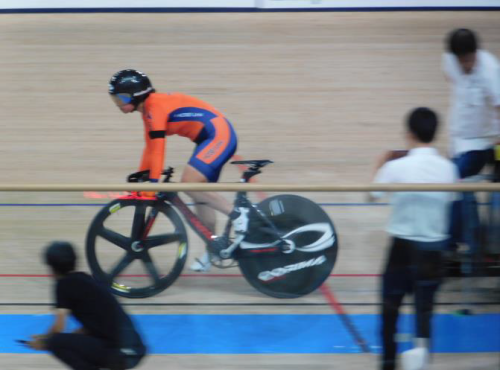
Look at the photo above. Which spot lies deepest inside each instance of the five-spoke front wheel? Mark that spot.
(137, 255)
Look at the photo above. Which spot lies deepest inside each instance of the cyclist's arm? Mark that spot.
(146, 153)
(155, 147)
(145, 159)
(153, 157)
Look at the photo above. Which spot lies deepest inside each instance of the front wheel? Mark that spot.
(135, 265)
(307, 229)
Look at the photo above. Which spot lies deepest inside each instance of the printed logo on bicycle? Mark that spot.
(280, 272)
(309, 238)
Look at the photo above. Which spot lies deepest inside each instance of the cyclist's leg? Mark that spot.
(206, 202)
(205, 166)
(207, 162)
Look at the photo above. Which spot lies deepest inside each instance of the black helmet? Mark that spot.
(130, 86)
(61, 257)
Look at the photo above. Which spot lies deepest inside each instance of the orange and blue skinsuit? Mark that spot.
(183, 115)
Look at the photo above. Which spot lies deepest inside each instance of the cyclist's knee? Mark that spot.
(191, 174)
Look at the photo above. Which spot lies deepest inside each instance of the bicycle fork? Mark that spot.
(149, 223)
(145, 228)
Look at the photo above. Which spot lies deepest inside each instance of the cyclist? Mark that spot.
(178, 114)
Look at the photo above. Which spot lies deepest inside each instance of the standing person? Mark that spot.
(183, 115)
(474, 117)
(107, 337)
(419, 228)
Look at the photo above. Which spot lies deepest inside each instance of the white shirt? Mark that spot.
(473, 118)
(419, 216)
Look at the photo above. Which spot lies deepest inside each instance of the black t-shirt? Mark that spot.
(93, 306)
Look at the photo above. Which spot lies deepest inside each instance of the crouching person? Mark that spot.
(107, 338)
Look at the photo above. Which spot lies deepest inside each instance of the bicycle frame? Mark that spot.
(198, 226)
(201, 229)
(173, 198)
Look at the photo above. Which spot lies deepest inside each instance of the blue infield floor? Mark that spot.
(273, 334)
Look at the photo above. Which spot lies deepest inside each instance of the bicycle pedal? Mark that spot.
(217, 245)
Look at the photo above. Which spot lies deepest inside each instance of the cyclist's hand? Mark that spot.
(147, 194)
(140, 176)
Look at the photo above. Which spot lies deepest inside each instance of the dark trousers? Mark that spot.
(411, 267)
(464, 225)
(471, 163)
(83, 352)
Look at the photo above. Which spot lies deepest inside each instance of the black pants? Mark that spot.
(83, 352)
(464, 223)
(410, 268)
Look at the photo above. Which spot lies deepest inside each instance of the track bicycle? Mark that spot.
(288, 250)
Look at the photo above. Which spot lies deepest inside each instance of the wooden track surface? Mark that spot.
(268, 362)
(320, 94)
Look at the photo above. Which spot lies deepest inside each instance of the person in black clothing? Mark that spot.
(107, 338)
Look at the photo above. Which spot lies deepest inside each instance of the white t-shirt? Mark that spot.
(473, 117)
(419, 216)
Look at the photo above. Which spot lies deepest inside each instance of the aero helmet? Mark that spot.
(130, 86)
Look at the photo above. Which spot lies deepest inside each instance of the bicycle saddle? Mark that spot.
(258, 163)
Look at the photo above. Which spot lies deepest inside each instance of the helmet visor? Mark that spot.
(121, 99)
